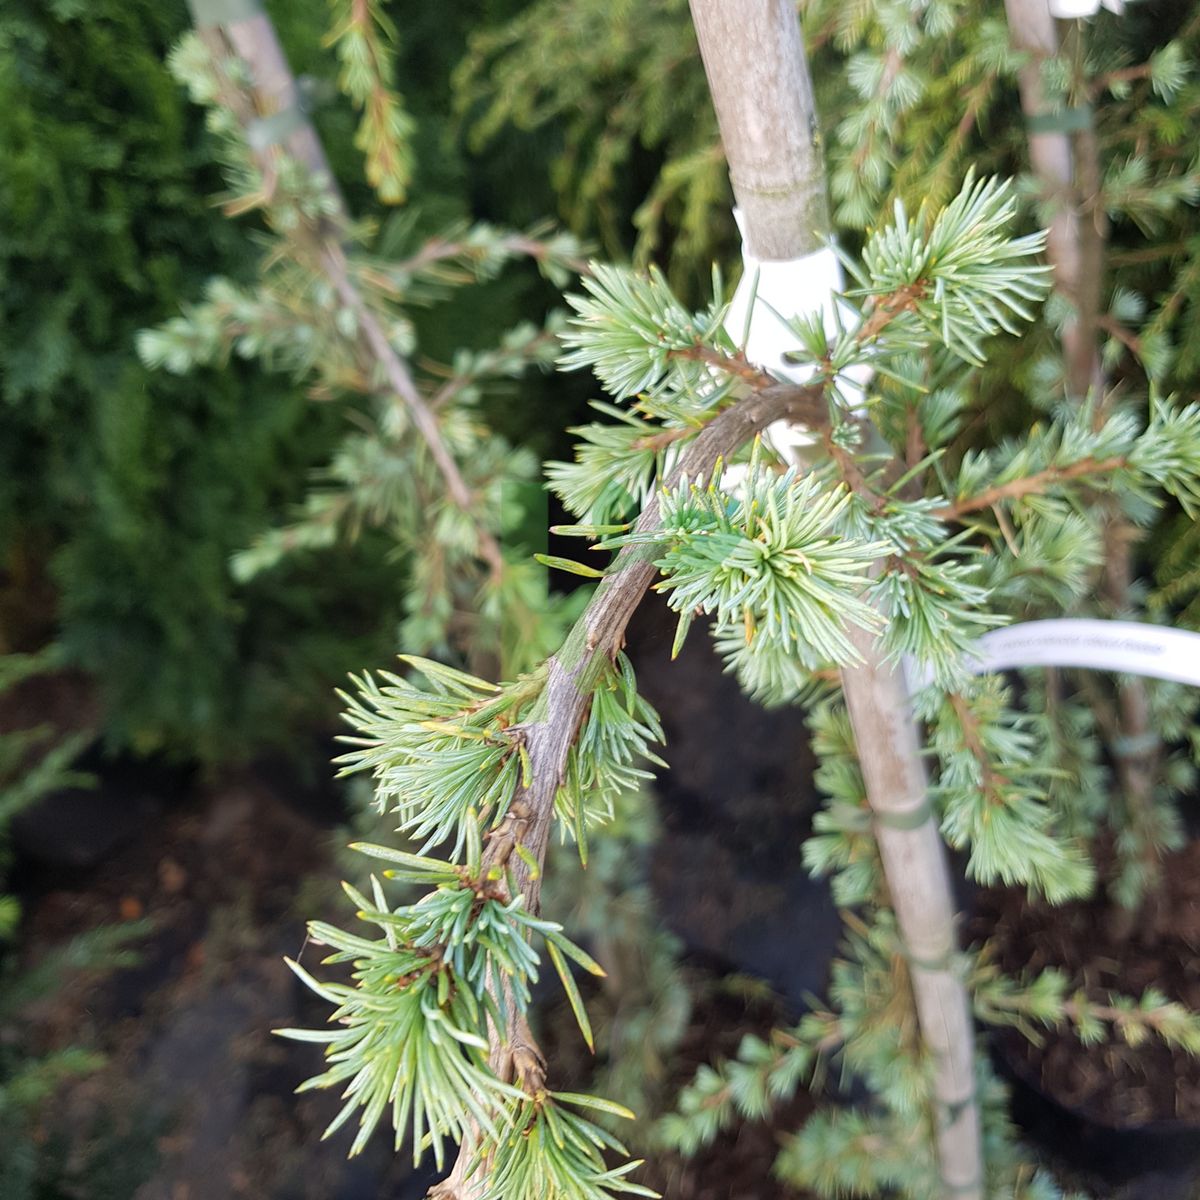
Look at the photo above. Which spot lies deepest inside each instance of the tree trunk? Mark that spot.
(758, 74)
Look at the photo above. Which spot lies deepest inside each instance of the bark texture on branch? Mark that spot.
(757, 98)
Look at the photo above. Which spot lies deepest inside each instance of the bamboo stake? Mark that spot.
(757, 70)
(1068, 166)
(1076, 274)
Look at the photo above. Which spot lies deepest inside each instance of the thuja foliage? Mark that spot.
(885, 528)
(123, 491)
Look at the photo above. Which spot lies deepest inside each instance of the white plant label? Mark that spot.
(1126, 646)
(1077, 10)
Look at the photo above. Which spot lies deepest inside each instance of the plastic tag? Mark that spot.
(781, 290)
(1126, 646)
(1075, 10)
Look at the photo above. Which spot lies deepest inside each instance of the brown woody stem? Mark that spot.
(571, 677)
(1029, 485)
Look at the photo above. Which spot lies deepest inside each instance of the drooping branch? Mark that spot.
(400, 382)
(591, 646)
(571, 677)
(269, 95)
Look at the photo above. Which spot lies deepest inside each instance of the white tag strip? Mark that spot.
(1125, 646)
(1074, 10)
(782, 290)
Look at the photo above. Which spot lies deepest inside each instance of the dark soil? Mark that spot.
(1111, 1084)
(194, 1078)
(736, 805)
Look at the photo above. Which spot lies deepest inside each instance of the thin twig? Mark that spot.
(1035, 484)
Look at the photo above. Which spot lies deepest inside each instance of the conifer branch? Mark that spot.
(255, 43)
(400, 383)
(1048, 1000)
(570, 679)
(737, 365)
(1030, 485)
(360, 36)
(598, 635)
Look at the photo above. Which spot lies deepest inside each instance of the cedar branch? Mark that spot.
(1035, 484)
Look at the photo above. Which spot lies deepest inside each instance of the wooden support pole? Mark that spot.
(252, 38)
(1066, 161)
(758, 77)
(1073, 257)
(758, 74)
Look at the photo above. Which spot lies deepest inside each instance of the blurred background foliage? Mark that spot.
(124, 492)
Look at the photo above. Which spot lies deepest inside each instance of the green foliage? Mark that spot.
(929, 539)
(412, 1031)
(131, 489)
(635, 335)
(425, 469)
(1049, 1000)
(955, 270)
(999, 792)
(461, 726)
(771, 562)
(360, 36)
(614, 465)
(447, 757)
(991, 773)
(842, 845)
(617, 89)
(619, 730)
(547, 1150)
(411, 1036)
(451, 757)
